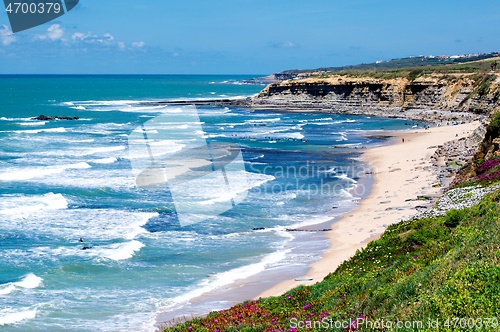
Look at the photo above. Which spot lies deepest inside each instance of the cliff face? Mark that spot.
(457, 92)
(488, 148)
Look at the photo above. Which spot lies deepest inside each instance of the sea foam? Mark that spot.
(226, 278)
(109, 160)
(27, 205)
(32, 123)
(38, 172)
(117, 251)
(44, 130)
(30, 281)
(9, 316)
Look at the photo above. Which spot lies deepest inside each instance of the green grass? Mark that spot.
(479, 68)
(453, 164)
(413, 68)
(419, 270)
(470, 64)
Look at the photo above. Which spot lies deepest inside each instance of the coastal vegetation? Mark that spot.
(420, 64)
(481, 72)
(478, 66)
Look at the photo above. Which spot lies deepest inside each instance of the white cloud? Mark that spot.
(80, 36)
(139, 44)
(78, 39)
(286, 44)
(6, 35)
(54, 32)
(107, 38)
(289, 44)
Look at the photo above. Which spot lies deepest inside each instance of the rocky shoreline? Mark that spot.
(438, 99)
(453, 157)
(431, 116)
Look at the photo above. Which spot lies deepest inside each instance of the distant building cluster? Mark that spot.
(452, 57)
(460, 56)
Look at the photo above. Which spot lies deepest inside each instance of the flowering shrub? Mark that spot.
(488, 165)
(488, 170)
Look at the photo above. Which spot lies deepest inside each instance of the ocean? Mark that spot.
(138, 207)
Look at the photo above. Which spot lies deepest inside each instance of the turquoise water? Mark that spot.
(66, 181)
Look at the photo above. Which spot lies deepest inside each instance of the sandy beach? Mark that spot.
(402, 171)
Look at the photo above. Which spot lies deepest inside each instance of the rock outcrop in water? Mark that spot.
(51, 118)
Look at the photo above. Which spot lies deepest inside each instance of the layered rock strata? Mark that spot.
(439, 98)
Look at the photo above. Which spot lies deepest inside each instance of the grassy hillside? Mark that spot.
(404, 63)
(444, 269)
(480, 66)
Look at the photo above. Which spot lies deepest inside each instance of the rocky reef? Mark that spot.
(52, 118)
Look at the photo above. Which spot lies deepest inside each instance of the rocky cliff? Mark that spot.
(465, 95)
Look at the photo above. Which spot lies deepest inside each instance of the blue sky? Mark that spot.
(244, 36)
